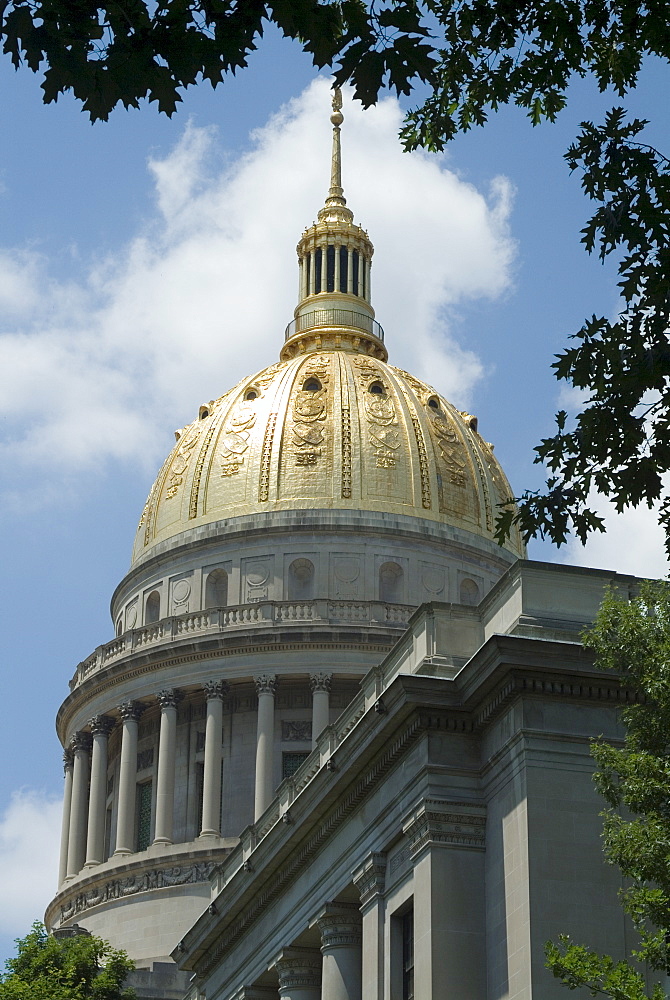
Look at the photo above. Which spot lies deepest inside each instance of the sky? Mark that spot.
(147, 264)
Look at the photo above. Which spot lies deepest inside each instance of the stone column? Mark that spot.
(167, 750)
(370, 880)
(266, 685)
(340, 926)
(81, 747)
(101, 727)
(130, 712)
(350, 272)
(299, 971)
(320, 685)
(68, 764)
(215, 692)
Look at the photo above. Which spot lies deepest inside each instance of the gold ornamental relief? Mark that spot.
(309, 410)
(180, 462)
(380, 411)
(235, 437)
(451, 449)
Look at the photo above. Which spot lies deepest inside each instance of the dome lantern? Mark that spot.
(334, 262)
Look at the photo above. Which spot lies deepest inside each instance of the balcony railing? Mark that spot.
(334, 317)
(241, 616)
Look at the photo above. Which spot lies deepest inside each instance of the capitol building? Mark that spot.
(338, 748)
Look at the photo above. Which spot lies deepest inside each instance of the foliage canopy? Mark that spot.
(633, 639)
(473, 56)
(81, 967)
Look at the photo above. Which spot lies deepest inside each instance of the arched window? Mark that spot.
(311, 385)
(152, 610)
(119, 626)
(216, 589)
(301, 580)
(469, 592)
(390, 583)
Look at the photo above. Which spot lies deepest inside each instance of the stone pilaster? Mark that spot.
(215, 692)
(101, 727)
(320, 684)
(167, 749)
(266, 686)
(130, 712)
(370, 880)
(447, 848)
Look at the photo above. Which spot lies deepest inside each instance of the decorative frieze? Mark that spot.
(299, 731)
(438, 823)
(156, 878)
(370, 877)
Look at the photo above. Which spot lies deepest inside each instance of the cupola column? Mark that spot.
(167, 749)
(68, 764)
(81, 747)
(130, 712)
(101, 727)
(299, 972)
(266, 685)
(215, 692)
(320, 685)
(340, 926)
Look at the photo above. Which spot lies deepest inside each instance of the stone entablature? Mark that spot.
(265, 614)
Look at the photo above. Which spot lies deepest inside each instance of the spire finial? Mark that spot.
(336, 192)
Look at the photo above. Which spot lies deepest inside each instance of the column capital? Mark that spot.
(265, 683)
(320, 682)
(101, 725)
(370, 877)
(81, 742)
(442, 823)
(299, 969)
(68, 759)
(216, 689)
(340, 925)
(130, 711)
(169, 698)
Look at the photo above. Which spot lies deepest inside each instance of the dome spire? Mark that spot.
(335, 260)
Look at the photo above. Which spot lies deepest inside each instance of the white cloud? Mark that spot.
(29, 846)
(633, 542)
(107, 366)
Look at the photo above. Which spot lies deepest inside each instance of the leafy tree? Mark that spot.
(80, 967)
(633, 639)
(474, 56)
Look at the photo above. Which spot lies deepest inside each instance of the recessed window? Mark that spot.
(312, 385)
(216, 589)
(377, 388)
(152, 610)
(204, 412)
(251, 394)
(290, 762)
(434, 403)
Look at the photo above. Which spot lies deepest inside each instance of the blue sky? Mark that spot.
(126, 300)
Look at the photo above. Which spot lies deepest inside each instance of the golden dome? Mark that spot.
(332, 425)
(328, 429)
